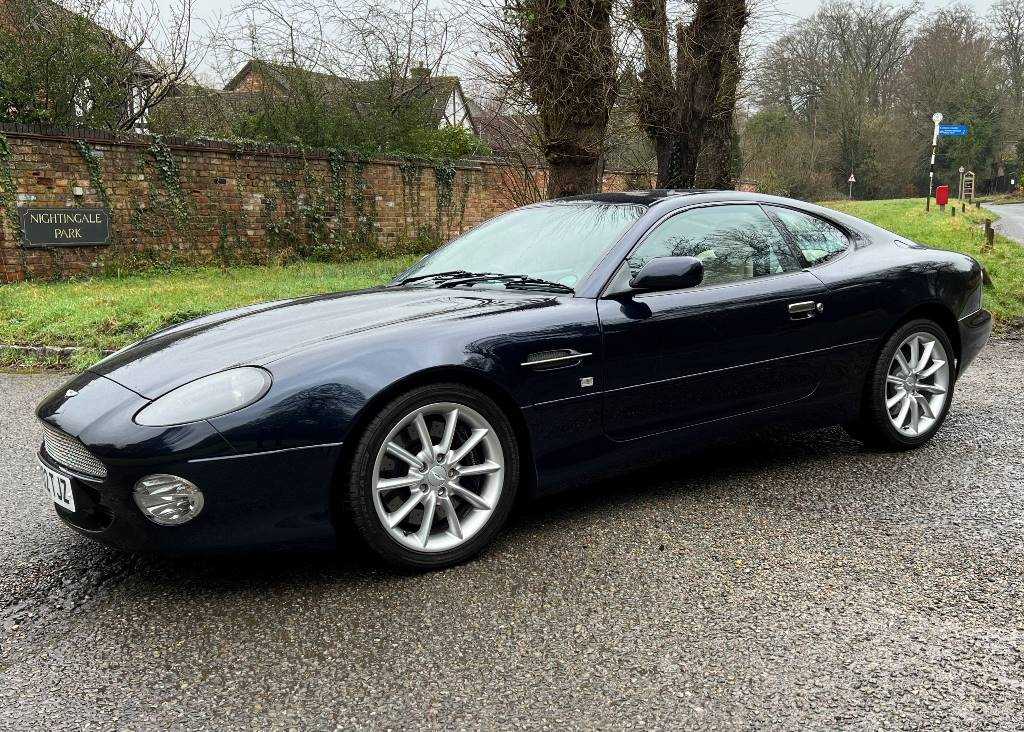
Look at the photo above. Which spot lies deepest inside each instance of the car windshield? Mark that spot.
(556, 242)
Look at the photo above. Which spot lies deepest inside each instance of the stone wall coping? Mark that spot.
(270, 150)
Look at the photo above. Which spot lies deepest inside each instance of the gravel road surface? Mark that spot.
(790, 582)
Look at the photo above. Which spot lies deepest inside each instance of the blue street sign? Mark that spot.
(953, 130)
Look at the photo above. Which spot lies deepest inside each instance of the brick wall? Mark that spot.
(187, 202)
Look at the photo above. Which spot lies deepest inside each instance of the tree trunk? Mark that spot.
(573, 179)
(574, 159)
(569, 65)
(716, 163)
(689, 118)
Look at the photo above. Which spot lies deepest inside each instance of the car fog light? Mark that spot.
(167, 499)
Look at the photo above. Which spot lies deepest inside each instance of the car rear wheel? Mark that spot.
(434, 476)
(910, 388)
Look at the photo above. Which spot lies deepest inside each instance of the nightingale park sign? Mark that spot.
(64, 227)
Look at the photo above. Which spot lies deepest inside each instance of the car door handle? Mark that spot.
(805, 309)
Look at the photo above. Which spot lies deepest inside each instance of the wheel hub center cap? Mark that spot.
(437, 477)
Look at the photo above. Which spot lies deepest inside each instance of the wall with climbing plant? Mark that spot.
(177, 202)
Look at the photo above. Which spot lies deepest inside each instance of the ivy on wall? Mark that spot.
(364, 205)
(8, 189)
(444, 177)
(92, 164)
(337, 163)
(169, 172)
(448, 210)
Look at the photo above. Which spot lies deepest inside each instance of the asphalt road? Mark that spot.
(792, 582)
(1011, 219)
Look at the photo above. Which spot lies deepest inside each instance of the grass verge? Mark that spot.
(961, 233)
(108, 313)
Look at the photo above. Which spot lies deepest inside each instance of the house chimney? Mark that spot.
(419, 71)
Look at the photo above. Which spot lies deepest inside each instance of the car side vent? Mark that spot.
(558, 358)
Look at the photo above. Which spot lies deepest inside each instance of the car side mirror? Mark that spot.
(669, 273)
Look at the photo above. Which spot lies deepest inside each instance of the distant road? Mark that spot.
(1011, 219)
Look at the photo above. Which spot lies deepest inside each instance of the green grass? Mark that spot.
(107, 313)
(960, 233)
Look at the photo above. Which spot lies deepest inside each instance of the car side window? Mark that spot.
(735, 242)
(816, 238)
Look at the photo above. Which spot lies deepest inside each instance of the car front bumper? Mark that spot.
(263, 500)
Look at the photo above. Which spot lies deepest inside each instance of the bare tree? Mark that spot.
(838, 73)
(556, 60)
(687, 104)
(1006, 20)
(380, 40)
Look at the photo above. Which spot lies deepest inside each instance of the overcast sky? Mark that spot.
(208, 9)
(798, 8)
(806, 7)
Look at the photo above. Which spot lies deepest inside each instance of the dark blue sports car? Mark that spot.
(550, 346)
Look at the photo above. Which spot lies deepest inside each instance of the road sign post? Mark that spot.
(936, 119)
(960, 190)
(851, 180)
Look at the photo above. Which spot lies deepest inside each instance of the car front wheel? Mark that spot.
(434, 476)
(910, 389)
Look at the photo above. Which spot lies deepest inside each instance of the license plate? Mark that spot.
(59, 488)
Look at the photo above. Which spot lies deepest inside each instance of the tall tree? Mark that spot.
(687, 107)
(558, 59)
(953, 38)
(1006, 20)
(838, 73)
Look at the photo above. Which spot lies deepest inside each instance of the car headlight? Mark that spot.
(210, 396)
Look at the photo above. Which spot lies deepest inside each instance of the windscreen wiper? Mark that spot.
(436, 275)
(511, 282)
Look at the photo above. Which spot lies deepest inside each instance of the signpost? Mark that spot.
(953, 130)
(945, 131)
(961, 188)
(64, 227)
(936, 118)
(851, 180)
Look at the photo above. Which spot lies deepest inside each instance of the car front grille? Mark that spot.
(69, 452)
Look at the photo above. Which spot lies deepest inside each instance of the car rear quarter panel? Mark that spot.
(883, 278)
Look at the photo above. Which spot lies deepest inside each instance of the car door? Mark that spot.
(748, 338)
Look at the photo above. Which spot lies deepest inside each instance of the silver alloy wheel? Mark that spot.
(438, 477)
(917, 384)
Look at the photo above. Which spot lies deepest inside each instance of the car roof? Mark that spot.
(642, 197)
(674, 197)
(666, 199)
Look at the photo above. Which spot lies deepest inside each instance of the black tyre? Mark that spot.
(433, 477)
(909, 390)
